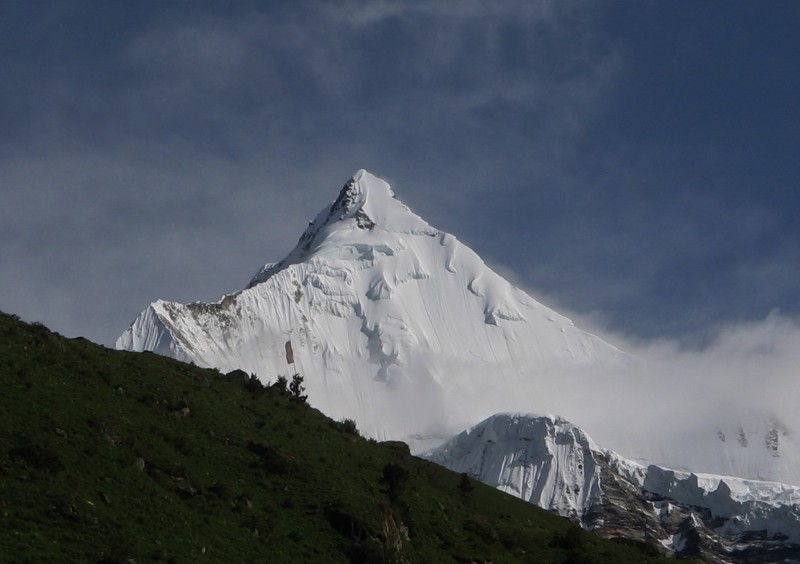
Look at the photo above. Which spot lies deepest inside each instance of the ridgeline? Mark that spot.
(109, 456)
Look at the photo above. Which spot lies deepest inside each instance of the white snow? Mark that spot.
(748, 505)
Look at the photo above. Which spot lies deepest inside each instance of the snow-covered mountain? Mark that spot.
(544, 460)
(404, 329)
(393, 323)
(551, 463)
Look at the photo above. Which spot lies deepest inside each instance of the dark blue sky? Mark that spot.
(631, 163)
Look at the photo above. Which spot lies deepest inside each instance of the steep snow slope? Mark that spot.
(551, 463)
(383, 312)
(546, 461)
(401, 327)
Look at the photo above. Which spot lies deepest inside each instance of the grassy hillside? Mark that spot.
(111, 456)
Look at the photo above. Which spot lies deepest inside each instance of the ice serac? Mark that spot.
(550, 462)
(393, 323)
(545, 460)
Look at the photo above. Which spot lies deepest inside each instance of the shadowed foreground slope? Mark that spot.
(111, 456)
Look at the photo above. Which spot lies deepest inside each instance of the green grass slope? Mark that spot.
(110, 456)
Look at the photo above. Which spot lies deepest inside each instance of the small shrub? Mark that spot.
(272, 459)
(349, 427)
(253, 385)
(465, 486)
(296, 389)
(395, 478)
(346, 426)
(281, 384)
(237, 375)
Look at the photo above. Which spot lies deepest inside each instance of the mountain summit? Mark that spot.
(365, 212)
(393, 323)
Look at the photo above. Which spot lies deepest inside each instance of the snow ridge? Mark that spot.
(745, 505)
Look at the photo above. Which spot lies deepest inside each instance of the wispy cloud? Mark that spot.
(711, 409)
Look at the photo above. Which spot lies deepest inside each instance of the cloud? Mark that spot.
(744, 378)
(381, 59)
(716, 409)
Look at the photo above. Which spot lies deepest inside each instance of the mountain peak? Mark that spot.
(393, 323)
(371, 202)
(366, 212)
(354, 196)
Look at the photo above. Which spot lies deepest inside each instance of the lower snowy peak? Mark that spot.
(546, 460)
(553, 464)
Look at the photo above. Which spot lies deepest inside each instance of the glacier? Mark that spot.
(404, 329)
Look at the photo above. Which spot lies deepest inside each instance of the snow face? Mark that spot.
(546, 460)
(383, 311)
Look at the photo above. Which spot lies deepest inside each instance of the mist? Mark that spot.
(728, 407)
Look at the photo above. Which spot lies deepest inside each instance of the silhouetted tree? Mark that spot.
(349, 426)
(296, 389)
(282, 384)
(253, 384)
